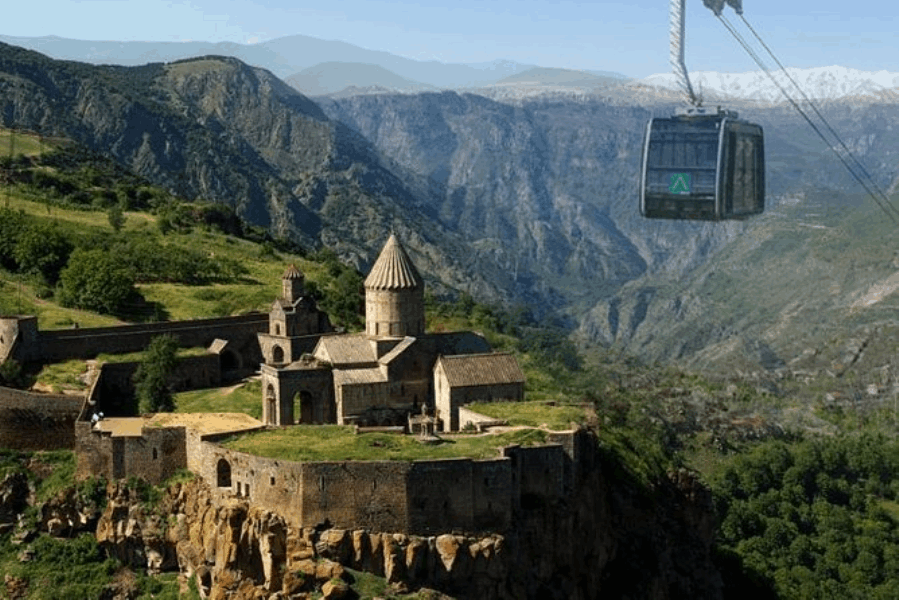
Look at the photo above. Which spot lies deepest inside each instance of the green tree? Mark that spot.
(42, 249)
(12, 224)
(93, 280)
(151, 378)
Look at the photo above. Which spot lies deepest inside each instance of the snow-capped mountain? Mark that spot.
(818, 83)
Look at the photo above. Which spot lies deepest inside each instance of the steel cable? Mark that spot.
(884, 204)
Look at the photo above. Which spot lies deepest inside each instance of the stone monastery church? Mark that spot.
(382, 375)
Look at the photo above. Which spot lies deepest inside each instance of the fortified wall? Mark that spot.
(21, 339)
(426, 497)
(34, 421)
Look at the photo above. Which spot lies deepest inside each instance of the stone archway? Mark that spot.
(223, 473)
(230, 360)
(277, 354)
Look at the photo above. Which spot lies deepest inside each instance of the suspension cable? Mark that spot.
(814, 106)
(885, 205)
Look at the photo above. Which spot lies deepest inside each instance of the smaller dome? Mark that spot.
(292, 273)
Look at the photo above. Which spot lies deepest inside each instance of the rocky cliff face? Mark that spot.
(608, 539)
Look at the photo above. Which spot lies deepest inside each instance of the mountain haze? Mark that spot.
(332, 77)
(284, 57)
(525, 196)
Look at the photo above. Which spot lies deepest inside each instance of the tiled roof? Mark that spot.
(481, 369)
(394, 269)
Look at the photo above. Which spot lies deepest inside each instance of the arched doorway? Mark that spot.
(223, 473)
(229, 360)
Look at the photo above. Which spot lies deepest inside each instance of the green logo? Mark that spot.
(679, 184)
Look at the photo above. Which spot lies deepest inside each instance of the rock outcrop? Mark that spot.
(606, 538)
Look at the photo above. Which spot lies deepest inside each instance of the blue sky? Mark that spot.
(628, 37)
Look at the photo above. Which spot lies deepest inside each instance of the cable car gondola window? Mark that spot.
(702, 168)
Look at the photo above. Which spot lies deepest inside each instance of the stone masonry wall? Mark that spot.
(114, 391)
(421, 497)
(64, 344)
(32, 421)
(155, 455)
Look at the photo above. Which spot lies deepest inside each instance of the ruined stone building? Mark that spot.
(378, 377)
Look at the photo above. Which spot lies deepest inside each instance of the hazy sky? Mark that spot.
(630, 37)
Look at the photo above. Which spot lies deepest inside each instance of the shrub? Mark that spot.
(94, 280)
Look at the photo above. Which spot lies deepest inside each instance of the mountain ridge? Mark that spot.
(530, 200)
(819, 83)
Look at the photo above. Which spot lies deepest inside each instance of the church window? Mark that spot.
(155, 455)
(277, 329)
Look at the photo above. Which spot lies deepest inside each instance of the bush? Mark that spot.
(42, 249)
(94, 280)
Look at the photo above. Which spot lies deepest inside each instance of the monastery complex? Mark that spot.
(394, 376)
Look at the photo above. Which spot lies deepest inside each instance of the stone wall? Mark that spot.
(448, 399)
(32, 421)
(65, 344)
(447, 495)
(421, 497)
(114, 392)
(155, 455)
(18, 335)
(370, 494)
(538, 473)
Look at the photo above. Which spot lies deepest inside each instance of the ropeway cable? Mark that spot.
(884, 204)
(814, 106)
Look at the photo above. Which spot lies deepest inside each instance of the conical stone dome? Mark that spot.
(394, 269)
(394, 295)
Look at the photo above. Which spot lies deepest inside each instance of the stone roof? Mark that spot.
(481, 369)
(359, 376)
(394, 269)
(343, 350)
(397, 350)
(292, 273)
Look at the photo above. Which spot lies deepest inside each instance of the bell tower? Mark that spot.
(292, 284)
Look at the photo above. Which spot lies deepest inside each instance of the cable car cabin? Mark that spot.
(702, 166)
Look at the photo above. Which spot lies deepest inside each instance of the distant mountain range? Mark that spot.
(522, 193)
(315, 66)
(825, 83)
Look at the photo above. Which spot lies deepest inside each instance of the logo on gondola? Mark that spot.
(679, 184)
